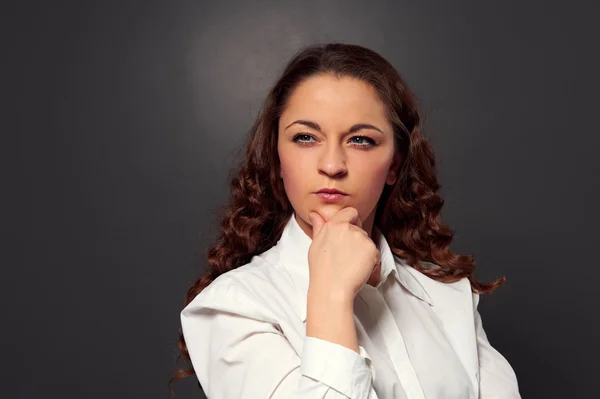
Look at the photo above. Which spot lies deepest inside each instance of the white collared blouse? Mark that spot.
(418, 338)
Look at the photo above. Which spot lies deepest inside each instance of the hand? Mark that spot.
(342, 256)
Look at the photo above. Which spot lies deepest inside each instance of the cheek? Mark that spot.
(374, 170)
(286, 166)
(373, 176)
(294, 180)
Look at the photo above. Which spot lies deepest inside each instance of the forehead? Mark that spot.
(329, 99)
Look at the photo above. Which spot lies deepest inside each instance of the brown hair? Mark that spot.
(408, 212)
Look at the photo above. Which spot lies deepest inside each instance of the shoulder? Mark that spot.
(456, 292)
(247, 290)
(462, 285)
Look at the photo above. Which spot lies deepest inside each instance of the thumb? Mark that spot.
(317, 223)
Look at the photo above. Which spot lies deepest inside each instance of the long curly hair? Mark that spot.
(408, 212)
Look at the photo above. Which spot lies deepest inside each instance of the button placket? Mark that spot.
(395, 343)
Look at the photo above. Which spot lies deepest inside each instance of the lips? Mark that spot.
(331, 191)
(331, 195)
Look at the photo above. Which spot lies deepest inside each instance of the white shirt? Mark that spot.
(418, 338)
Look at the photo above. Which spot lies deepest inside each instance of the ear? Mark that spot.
(391, 177)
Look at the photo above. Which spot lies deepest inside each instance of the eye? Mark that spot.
(369, 141)
(359, 141)
(298, 136)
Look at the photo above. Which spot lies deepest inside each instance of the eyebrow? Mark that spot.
(353, 129)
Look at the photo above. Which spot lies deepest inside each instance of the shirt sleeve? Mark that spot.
(236, 356)
(497, 379)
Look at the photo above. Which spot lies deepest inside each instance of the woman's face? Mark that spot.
(334, 133)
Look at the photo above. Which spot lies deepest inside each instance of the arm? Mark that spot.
(496, 377)
(236, 356)
(330, 317)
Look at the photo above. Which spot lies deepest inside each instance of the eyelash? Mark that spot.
(371, 142)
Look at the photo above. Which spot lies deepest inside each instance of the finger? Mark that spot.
(327, 212)
(349, 215)
(377, 264)
(317, 223)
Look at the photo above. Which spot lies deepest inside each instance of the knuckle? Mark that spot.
(374, 249)
(353, 211)
(376, 256)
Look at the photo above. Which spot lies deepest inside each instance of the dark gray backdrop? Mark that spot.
(121, 120)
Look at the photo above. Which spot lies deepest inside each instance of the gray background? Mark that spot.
(121, 120)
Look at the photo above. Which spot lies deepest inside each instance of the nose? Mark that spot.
(332, 161)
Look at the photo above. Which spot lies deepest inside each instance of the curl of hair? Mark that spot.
(408, 212)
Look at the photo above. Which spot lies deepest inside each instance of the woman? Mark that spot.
(332, 276)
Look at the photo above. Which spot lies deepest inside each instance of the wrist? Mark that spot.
(330, 316)
(330, 295)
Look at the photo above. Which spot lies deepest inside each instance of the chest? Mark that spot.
(417, 350)
(411, 352)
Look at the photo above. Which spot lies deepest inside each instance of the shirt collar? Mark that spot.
(293, 248)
